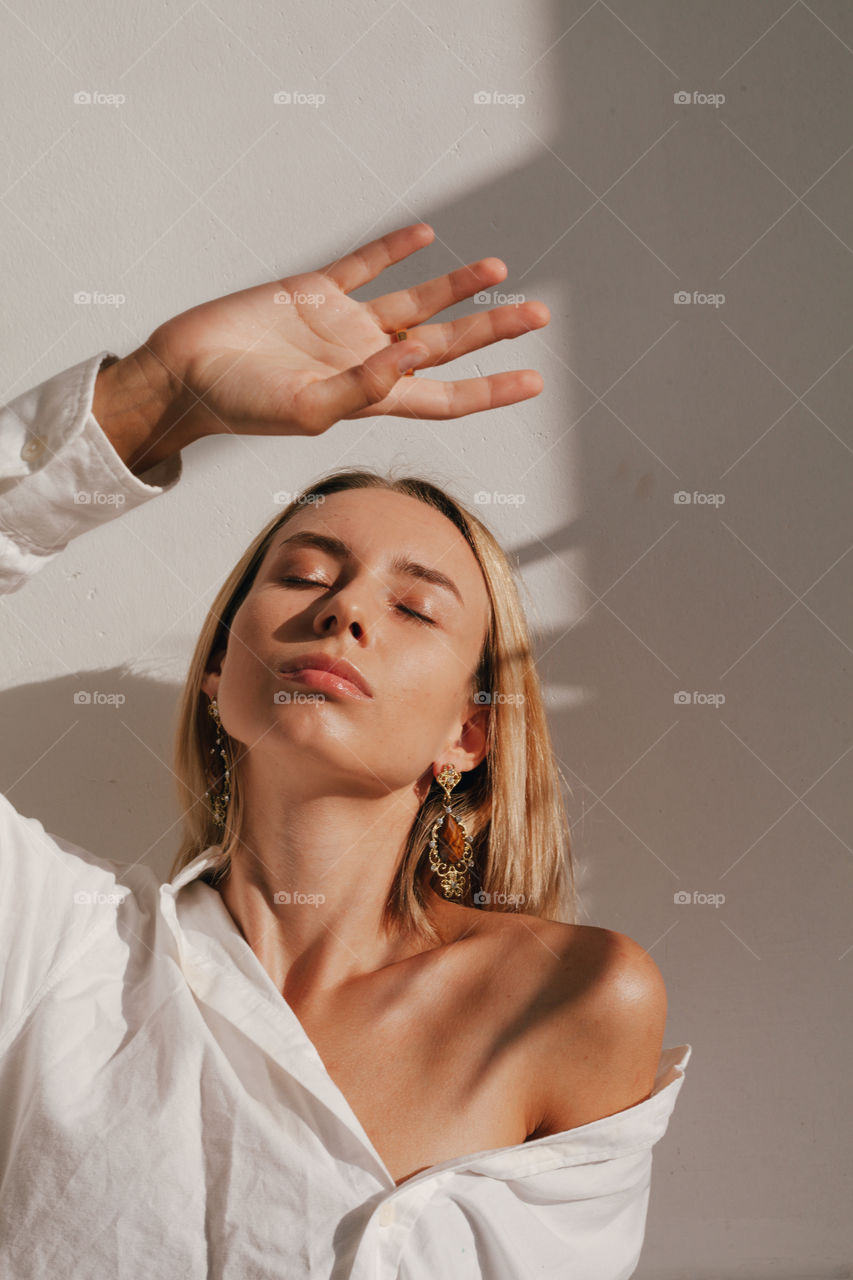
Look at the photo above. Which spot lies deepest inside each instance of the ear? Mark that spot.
(470, 747)
(210, 683)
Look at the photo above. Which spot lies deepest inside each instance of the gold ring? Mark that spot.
(400, 336)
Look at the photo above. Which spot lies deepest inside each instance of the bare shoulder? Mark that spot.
(582, 960)
(598, 1004)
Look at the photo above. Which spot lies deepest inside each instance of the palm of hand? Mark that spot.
(296, 355)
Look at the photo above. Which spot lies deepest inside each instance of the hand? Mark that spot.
(256, 363)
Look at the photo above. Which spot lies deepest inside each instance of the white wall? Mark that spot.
(605, 198)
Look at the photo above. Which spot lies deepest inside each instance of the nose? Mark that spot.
(349, 609)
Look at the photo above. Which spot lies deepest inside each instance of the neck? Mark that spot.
(309, 880)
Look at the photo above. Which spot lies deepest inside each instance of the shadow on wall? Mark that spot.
(92, 768)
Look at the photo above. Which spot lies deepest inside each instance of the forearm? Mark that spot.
(141, 408)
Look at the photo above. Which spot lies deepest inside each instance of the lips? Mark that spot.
(325, 662)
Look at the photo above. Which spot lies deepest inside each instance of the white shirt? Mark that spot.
(164, 1114)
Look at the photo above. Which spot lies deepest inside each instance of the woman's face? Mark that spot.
(358, 606)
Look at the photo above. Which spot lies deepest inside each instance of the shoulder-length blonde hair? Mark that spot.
(511, 803)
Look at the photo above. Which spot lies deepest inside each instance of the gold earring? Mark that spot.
(220, 801)
(450, 832)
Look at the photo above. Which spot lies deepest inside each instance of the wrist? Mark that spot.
(139, 405)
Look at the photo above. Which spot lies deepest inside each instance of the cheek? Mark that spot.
(248, 670)
(425, 694)
(256, 631)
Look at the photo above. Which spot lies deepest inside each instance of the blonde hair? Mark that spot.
(511, 803)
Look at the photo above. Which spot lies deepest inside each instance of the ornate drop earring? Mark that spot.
(450, 833)
(220, 801)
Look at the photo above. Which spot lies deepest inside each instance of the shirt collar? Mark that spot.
(200, 863)
(224, 972)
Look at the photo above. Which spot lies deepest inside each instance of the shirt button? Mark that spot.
(386, 1214)
(33, 449)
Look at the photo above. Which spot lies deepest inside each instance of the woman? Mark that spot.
(355, 1035)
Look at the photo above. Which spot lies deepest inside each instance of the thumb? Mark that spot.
(323, 403)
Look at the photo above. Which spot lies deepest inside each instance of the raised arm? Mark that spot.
(290, 357)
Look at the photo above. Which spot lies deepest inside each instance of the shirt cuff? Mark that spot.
(39, 422)
(72, 479)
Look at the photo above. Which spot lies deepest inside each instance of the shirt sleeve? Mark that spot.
(59, 473)
(58, 899)
(572, 1204)
(586, 1221)
(59, 476)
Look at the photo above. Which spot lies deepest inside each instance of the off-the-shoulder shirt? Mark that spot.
(164, 1113)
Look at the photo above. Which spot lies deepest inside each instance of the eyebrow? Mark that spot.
(400, 564)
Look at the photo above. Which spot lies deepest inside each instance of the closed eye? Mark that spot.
(412, 613)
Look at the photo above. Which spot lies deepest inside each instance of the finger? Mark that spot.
(459, 337)
(408, 307)
(323, 402)
(365, 263)
(424, 398)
